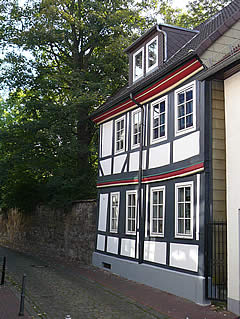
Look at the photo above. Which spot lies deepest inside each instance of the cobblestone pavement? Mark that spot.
(53, 291)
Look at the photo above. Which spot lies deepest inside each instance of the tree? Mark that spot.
(74, 61)
(197, 11)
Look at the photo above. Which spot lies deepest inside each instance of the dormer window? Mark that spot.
(138, 63)
(152, 54)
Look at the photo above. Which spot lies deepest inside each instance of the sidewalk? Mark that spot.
(164, 303)
(88, 292)
(9, 305)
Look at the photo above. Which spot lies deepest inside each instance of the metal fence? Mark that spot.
(217, 261)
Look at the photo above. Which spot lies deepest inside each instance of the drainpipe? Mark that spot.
(140, 213)
(165, 42)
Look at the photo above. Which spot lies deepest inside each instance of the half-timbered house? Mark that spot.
(162, 156)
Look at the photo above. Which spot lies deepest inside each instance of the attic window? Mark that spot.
(152, 54)
(138, 59)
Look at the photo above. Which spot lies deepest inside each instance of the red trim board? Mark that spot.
(183, 171)
(167, 82)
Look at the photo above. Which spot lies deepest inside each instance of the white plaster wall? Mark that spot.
(128, 247)
(107, 138)
(159, 155)
(134, 161)
(155, 251)
(232, 118)
(106, 166)
(112, 245)
(118, 163)
(184, 256)
(101, 242)
(103, 205)
(186, 147)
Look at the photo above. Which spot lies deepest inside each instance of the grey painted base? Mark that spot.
(180, 284)
(234, 306)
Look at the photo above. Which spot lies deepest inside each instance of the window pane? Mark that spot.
(161, 197)
(187, 226)
(121, 145)
(133, 199)
(189, 107)
(114, 224)
(160, 226)
(162, 107)
(155, 211)
(154, 226)
(118, 126)
(181, 194)
(181, 123)
(189, 95)
(162, 119)
(155, 133)
(152, 53)
(180, 98)
(181, 210)
(188, 210)
(155, 111)
(188, 194)
(138, 64)
(162, 130)
(181, 226)
(161, 211)
(133, 225)
(155, 197)
(189, 120)
(156, 122)
(180, 110)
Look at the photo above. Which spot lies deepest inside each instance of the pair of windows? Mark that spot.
(183, 211)
(120, 131)
(131, 208)
(139, 63)
(185, 113)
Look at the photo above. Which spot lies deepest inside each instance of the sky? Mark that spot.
(180, 3)
(176, 3)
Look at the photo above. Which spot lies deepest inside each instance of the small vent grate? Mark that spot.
(107, 266)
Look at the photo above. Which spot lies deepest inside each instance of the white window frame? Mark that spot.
(177, 186)
(112, 230)
(161, 138)
(156, 64)
(133, 192)
(154, 189)
(139, 124)
(124, 134)
(184, 89)
(134, 64)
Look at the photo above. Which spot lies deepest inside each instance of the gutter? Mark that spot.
(165, 41)
(140, 213)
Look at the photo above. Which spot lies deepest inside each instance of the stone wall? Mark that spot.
(70, 234)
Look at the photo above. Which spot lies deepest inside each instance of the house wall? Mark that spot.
(232, 98)
(176, 257)
(218, 151)
(222, 46)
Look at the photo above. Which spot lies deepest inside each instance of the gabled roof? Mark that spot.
(209, 32)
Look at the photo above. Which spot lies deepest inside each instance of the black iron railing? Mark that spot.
(217, 261)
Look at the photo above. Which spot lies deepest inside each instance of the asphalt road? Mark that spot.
(54, 290)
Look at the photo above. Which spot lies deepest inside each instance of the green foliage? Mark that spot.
(62, 59)
(197, 12)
